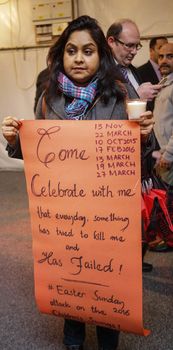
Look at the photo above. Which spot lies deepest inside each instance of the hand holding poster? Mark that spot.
(83, 182)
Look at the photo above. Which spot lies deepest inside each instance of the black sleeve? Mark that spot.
(147, 160)
(15, 152)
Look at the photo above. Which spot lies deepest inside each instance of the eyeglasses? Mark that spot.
(129, 46)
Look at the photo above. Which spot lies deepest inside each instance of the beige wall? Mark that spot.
(152, 17)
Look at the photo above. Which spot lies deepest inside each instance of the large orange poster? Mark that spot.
(83, 183)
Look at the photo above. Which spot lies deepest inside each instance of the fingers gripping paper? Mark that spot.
(83, 183)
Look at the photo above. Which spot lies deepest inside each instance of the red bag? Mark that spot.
(156, 216)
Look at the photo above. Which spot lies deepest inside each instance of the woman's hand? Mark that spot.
(10, 129)
(164, 164)
(146, 123)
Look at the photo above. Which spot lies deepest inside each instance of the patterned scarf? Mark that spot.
(82, 96)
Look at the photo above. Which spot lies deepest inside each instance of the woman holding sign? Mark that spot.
(84, 85)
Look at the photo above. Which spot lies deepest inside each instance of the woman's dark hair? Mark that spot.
(107, 73)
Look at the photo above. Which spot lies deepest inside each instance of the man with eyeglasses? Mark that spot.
(124, 40)
(163, 114)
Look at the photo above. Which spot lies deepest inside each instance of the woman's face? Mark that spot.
(81, 59)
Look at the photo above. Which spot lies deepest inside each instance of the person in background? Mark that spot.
(150, 71)
(123, 38)
(84, 85)
(163, 115)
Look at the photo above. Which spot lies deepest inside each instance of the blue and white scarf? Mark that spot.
(83, 97)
